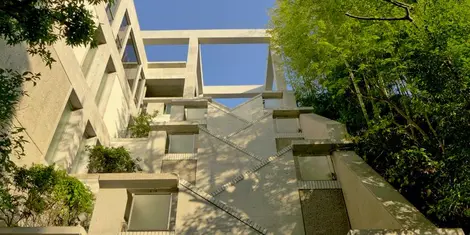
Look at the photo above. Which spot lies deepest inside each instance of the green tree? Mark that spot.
(397, 74)
(43, 196)
(140, 125)
(111, 160)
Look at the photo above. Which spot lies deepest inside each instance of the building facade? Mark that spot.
(265, 166)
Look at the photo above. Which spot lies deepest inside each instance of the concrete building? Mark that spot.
(265, 166)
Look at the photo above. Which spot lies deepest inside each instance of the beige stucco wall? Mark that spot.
(371, 202)
(259, 138)
(270, 197)
(250, 110)
(221, 122)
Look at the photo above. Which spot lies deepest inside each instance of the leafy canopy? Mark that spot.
(111, 160)
(397, 73)
(41, 23)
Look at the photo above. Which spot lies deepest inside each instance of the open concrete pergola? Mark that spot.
(191, 70)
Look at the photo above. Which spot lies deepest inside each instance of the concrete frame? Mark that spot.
(235, 149)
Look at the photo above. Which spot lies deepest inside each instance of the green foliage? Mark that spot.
(400, 86)
(43, 196)
(140, 126)
(111, 160)
(41, 23)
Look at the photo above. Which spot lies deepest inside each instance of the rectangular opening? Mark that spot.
(195, 114)
(314, 168)
(150, 212)
(157, 53)
(167, 109)
(272, 103)
(287, 125)
(104, 82)
(181, 143)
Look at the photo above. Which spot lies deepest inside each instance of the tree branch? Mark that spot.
(406, 7)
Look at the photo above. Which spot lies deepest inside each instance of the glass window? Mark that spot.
(122, 31)
(130, 54)
(167, 109)
(195, 114)
(181, 143)
(150, 212)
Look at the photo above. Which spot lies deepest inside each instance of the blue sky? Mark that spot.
(222, 64)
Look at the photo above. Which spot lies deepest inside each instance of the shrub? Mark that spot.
(111, 160)
(41, 196)
(140, 127)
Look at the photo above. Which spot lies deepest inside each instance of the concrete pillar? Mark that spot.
(177, 113)
(191, 68)
(278, 72)
(109, 210)
(156, 146)
(288, 99)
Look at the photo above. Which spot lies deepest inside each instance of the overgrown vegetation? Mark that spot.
(42, 196)
(140, 126)
(397, 73)
(38, 196)
(111, 160)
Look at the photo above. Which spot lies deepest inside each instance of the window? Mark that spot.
(287, 125)
(122, 31)
(195, 114)
(181, 143)
(130, 53)
(315, 168)
(167, 109)
(111, 10)
(272, 103)
(150, 212)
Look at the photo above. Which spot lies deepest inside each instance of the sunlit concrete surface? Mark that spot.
(259, 167)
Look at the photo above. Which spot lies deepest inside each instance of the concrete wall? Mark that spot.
(270, 197)
(221, 122)
(258, 139)
(250, 110)
(108, 214)
(218, 162)
(370, 200)
(117, 113)
(316, 127)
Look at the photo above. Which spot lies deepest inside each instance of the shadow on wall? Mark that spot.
(17, 59)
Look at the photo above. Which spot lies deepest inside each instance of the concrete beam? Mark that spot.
(213, 36)
(244, 91)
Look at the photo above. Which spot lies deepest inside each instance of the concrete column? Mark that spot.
(109, 210)
(278, 72)
(177, 113)
(288, 99)
(156, 146)
(191, 68)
